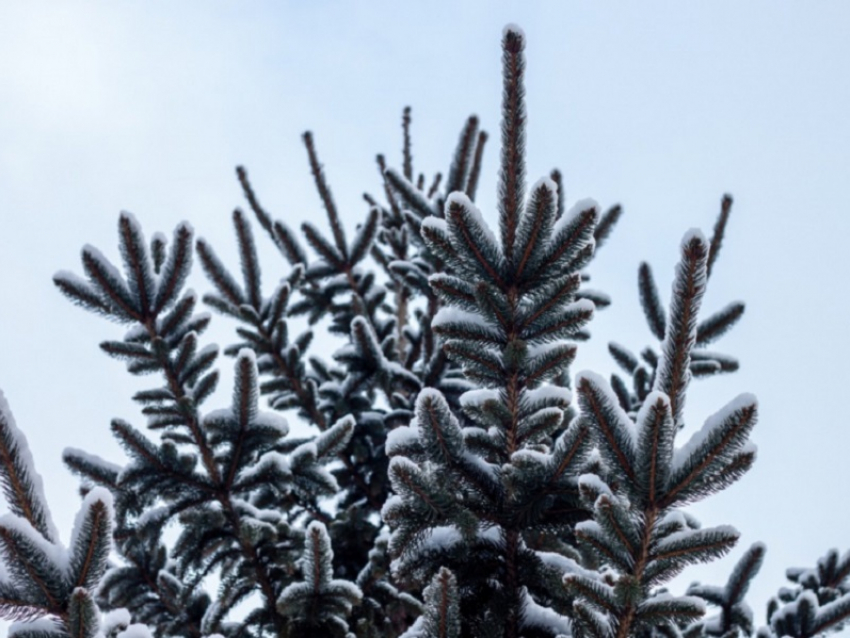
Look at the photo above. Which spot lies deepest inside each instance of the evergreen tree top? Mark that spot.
(457, 479)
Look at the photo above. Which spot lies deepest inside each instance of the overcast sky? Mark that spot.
(662, 106)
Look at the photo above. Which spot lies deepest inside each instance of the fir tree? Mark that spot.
(451, 487)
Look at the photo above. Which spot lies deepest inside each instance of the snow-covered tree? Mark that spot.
(44, 585)
(459, 480)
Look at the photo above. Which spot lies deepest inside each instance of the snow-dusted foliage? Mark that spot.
(44, 585)
(636, 528)
(471, 499)
(453, 478)
(818, 602)
(651, 370)
(318, 604)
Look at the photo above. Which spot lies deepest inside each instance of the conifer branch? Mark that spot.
(284, 369)
(248, 258)
(435, 185)
(216, 272)
(734, 611)
(158, 243)
(475, 170)
(290, 246)
(733, 432)
(112, 288)
(554, 295)
(606, 224)
(16, 607)
(411, 197)
(20, 552)
(568, 239)
(673, 371)
(388, 192)
(330, 254)
(81, 293)
(223, 495)
(747, 567)
(715, 326)
(96, 527)
(627, 360)
(655, 445)
(512, 167)
(573, 442)
(407, 157)
(22, 487)
(719, 231)
(443, 610)
(176, 268)
(325, 194)
(651, 302)
(536, 223)
(594, 592)
(459, 169)
(609, 423)
(456, 366)
(556, 176)
(262, 216)
(137, 264)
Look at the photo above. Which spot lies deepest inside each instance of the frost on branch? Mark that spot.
(636, 529)
(44, 585)
(318, 603)
(442, 481)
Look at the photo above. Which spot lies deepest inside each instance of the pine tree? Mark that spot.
(451, 486)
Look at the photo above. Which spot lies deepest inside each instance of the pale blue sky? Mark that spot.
(663, 106)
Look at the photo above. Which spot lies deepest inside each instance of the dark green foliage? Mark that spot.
(21, 487)
(673, 373)
(719, 232)
(168, 603)
(44, 584)
(318, 604)
(735, 617)
(238, 491)
(226, 478)
(606, 225)
(702, 362)
(818, 602)
(444, 483)
(511, 478)
(636, 529)
(442, 614)
(649, 300)
(83, 620)
(717, 324)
